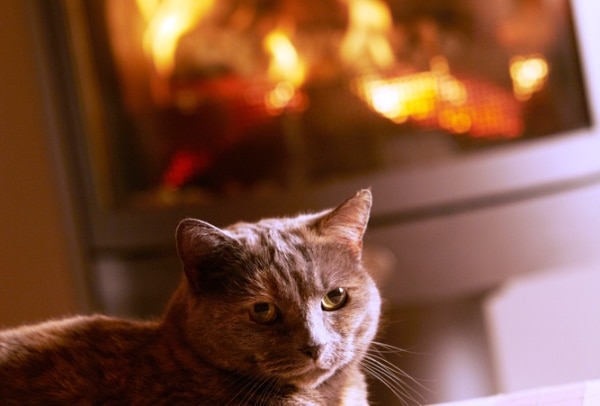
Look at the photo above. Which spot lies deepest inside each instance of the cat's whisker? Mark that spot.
(394, 381)
(267, 392)
(393, 386)
(241, 388)
(234, 383)
(406, 388)
(397, 370)
(389, 349)
(244, 389)
(259, 390)
(374, 352)
(267, 388)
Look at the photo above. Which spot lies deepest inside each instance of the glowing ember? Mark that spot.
(411, 96)
(528, 74)
(280, 96)
(184, 166)
(437, 99)
(400, 98)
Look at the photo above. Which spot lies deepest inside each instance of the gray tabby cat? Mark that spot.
(278, 312)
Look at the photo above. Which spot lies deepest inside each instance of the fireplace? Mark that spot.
(204, 101)
(473, 122)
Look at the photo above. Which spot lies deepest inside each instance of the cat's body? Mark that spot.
(278, 312)
(113, 361)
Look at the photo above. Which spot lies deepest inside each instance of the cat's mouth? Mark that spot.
(309, 374)
(308, 377)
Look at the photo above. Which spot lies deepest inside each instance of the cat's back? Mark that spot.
(102, 360)
(21, 345)
(68, 360)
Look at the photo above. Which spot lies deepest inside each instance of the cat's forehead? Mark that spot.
(288, 257)
(279, 224)
(287, 254)
(281, 233)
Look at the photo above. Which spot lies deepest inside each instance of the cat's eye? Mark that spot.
(263, 312)
(334, 299)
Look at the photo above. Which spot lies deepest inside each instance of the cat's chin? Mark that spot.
(310, 379)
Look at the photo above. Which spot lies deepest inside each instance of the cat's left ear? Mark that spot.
(201, 247)
(347, 223)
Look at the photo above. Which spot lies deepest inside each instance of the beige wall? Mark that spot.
(35, 277)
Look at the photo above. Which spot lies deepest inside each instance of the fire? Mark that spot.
(400, 98)
(433, 98)
(285, 63)
(436, 98)
(366, 40)
(413, 96)
(167, 21)
(286, 69)
(528, 74)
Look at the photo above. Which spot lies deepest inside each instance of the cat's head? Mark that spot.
(284, 299)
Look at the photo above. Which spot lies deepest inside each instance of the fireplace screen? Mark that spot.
(205, 100)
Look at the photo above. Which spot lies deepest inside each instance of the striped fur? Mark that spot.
(207, 349)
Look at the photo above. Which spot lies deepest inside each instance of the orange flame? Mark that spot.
(286, 69)
(167, 21)
(436, 98)
(285, 63)
(413, 96)
(366, 41)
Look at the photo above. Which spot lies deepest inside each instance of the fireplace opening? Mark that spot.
(212, 100)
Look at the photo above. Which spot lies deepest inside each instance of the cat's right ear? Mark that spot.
(347, 223)
(200, 245)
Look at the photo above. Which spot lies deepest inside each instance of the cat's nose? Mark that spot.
(311, 351)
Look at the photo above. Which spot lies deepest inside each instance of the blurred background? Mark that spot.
(474, 123)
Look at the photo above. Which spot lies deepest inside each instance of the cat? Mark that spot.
(278, 312)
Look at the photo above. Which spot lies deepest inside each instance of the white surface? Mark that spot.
(579, 394)
(545, 329)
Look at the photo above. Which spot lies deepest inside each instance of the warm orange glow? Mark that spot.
(400, 98)
(148, 8)
(387, 100)
(366, 41)
(280, 96)
(435, 98)
(449, 89)
(286, 69)
(528, 74)
(167, 22)
(413, 96)
(456, 121)
(285, 64)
